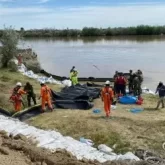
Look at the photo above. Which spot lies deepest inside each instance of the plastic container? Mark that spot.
(128, 100)
(96, 111)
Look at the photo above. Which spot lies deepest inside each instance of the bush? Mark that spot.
(9, 42)
(12, 64)
(33, 65)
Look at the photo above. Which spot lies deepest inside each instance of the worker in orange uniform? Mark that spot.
(107, 95)
(17, 97)
(46, 96)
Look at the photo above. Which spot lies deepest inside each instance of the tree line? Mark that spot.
(91, 31)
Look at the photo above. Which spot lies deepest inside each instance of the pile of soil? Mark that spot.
(19, 150)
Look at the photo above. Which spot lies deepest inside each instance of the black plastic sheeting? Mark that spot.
(94, 79)
(5, 113)
(78, 92)
(29, 113)
(73, 104)
(35, 111)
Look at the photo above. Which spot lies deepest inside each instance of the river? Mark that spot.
(101, 57)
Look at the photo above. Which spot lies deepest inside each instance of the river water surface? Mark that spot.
(100, 57)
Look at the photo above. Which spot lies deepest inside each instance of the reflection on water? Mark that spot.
(108, 54)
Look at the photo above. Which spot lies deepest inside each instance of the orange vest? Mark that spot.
(45, 91)
(107, 93)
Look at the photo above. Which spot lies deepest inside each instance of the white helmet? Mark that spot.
(107, 82)
(19, 84)
(42, 82)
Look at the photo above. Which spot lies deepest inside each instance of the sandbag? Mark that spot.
(127, 100)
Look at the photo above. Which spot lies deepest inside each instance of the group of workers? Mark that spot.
(134, 82)
(108, 93)
(45, 95)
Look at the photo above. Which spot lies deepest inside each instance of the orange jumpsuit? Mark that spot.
(46, 97)
(18, 100)
(107, 96)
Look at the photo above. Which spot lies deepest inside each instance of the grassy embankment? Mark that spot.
(127, 130)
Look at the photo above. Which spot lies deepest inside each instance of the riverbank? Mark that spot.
(125, 131)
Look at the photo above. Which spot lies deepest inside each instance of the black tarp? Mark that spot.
(94, 79)
(60, 104)
(73, 104)
(78, 92)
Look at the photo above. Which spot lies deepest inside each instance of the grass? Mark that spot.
(125, 131)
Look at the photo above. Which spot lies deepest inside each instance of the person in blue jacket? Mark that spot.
(161, 91)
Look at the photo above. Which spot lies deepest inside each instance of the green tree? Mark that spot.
(9, 42)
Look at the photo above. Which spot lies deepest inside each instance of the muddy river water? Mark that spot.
(101, 57)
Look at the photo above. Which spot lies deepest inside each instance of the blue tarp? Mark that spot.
(127, 100)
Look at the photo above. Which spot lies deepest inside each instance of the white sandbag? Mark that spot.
(54, 140)
(105, 149)
(67, 83)
(129, 156)
(31, 74)
(22, 68)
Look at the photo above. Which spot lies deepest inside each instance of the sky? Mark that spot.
(76, 14)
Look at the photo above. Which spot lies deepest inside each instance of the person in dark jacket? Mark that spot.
(30, 94)
(136, 85)
(161, 90)
(130, 80)
(114, 77)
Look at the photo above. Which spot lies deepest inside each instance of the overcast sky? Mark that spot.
(61, 14)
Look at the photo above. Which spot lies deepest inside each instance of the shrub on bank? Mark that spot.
(13, 65)
(9, 43)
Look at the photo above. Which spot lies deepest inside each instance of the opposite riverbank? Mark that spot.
(92, 31)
